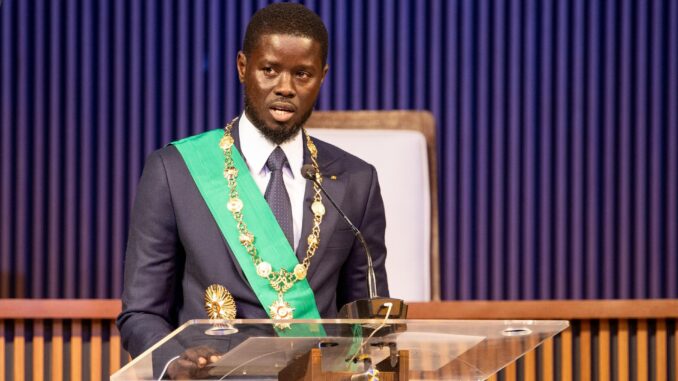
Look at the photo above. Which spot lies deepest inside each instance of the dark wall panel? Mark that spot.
(557, 131)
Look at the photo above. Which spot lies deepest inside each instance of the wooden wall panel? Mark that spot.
(636, 335)
(635, 358)
(632, 337)
(53, 343)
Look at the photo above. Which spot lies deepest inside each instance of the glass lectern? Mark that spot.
(341, 349)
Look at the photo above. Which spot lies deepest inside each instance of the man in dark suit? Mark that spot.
(183, 238)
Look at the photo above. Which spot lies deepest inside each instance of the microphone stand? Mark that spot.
(374, 306)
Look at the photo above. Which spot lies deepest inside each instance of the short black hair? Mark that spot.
(286, 18)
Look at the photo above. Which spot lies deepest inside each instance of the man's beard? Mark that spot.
(275, 135)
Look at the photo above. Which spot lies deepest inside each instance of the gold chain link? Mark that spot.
(282, 280)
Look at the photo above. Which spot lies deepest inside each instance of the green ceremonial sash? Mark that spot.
(205, 161)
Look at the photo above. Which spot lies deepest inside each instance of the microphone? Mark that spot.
(374, 306)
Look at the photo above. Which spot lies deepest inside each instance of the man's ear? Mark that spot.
(241, 64)
(325, 69)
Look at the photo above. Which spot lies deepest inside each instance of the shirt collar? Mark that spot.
(257, 148)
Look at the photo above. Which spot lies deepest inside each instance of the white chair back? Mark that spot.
(401, 145)
(401, 162)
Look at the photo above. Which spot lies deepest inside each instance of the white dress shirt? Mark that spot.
(256, 149)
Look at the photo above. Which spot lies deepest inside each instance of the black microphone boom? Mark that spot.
(375, 305)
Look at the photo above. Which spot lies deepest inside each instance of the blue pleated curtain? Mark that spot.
(557, 131)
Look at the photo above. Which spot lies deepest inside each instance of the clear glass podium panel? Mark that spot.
(420, 349)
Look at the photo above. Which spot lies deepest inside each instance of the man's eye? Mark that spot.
(303, 75)
(268, 70)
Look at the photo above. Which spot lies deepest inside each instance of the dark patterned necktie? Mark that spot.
(276, 193)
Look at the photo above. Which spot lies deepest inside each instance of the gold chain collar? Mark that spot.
(282, 280)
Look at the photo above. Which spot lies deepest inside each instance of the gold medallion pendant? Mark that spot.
(219, 303)
(281, 310)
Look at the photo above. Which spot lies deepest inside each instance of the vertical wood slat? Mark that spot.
(547, 360)
(566, 354)
(19, 350)
(642, 354)
(2, 349)
(76, 350)
(530, 366)
(604, 350)
(115, 348)
(38, 350)
(585, 350)
(623, 349)
(95, 351)
(57, 360)
(530, 360)
(511, 372)
(661, 350)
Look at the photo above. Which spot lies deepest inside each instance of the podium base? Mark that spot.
(309, 368)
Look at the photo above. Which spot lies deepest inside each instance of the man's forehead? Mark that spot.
(280, 38)
(270, 45)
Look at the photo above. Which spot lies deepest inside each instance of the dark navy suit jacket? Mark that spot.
(176, 250)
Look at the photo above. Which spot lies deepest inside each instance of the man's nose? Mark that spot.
(285, 85)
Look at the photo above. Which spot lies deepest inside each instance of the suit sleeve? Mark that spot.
(353, 278)
(151, 262)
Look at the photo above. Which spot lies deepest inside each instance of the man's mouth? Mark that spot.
(282, 112)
